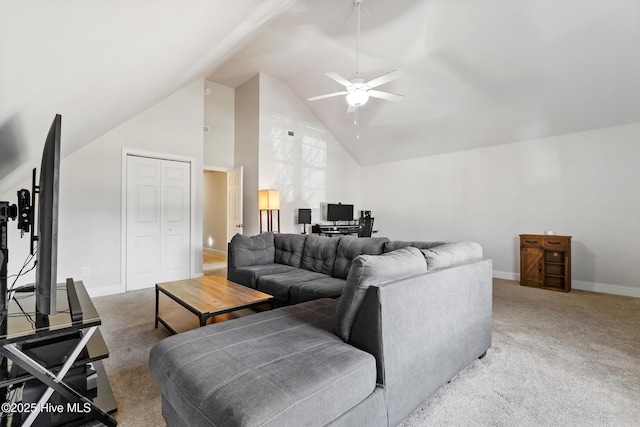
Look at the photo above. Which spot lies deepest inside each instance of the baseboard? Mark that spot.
(603, 288)
(606, 288)
(214, 251)
(103, 291)
(506, 275)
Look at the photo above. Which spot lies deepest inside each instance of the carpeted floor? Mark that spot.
(556, 360)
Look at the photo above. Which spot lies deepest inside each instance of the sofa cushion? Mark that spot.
(276, 368)
(325, 287)
(252, 250)
(289, 248)
(368, 270)
(319, 254)
(278, 285)
(350, 247)
(398, 244)
(249, 275)
(452, 254)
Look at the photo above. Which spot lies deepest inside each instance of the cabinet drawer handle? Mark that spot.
(555, 243)
(531, 241)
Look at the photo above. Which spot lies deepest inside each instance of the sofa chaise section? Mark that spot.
(278, 368)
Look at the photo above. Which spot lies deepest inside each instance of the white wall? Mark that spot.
(584, 185)
(219, 118)
(247, 117)
(90, 224)
(310, 168)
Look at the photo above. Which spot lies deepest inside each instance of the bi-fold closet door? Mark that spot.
(157, 221)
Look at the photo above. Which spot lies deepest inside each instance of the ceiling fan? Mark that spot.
(358, 91)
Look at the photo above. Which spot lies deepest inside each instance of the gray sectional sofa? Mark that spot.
(408, 321)
(295, 268)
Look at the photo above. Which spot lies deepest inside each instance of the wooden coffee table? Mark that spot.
(209, 296)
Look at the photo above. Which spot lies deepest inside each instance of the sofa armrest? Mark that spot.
(423, 330)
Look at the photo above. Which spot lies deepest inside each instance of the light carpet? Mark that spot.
(557, 360)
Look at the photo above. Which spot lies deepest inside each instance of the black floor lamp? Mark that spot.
(269, 201)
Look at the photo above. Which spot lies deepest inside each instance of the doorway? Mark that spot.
(214, 199)
(222, 213)
(157, 220)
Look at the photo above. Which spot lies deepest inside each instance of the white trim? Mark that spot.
(154, 155)
(192, 207)
(215, 169)
(104, 290)
(606, 288)
(603, 288)
(506, 275)
(214, 251)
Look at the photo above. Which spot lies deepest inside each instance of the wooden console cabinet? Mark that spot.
(545, 261)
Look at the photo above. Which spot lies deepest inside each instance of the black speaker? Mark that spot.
(304, 216)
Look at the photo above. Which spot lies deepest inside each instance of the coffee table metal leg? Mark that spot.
(157, 304)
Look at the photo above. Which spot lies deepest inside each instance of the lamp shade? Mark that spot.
(268, 200)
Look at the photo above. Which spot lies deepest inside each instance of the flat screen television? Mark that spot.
(339, 212)
(47, 222)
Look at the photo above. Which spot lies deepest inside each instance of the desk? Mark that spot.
(45, 349)
(338, 230)
(332, 230)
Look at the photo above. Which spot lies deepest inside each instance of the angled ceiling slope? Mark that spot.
(99, 64)
(474, 74)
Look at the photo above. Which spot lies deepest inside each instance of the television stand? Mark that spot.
(41, 364)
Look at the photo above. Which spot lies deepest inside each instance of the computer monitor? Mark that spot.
(339, 212)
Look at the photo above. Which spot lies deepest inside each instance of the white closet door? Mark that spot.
(175, 220)
(157, 221)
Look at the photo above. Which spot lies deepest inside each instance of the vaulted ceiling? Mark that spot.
(473, 73)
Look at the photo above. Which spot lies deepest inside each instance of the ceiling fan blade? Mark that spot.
(338, 78)
(329, 95)
(386, 78)
(385, 95)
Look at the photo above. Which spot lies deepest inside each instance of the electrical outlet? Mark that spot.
(86, 271)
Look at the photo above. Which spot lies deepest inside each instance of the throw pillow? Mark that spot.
(452, 254)
(398, 244)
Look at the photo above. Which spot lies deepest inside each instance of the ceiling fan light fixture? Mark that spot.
(357, 98)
